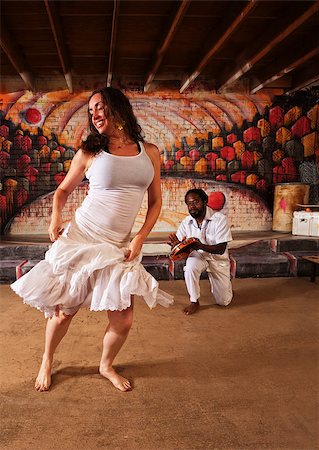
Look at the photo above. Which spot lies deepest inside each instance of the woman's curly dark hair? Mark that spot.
(118, 106)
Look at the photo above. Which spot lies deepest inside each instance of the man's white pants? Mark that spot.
(218, 274)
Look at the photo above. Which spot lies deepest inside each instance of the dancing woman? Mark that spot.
(93, 262)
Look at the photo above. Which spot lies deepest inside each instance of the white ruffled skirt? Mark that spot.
(86, 267)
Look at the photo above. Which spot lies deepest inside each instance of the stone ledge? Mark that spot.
(263, 258)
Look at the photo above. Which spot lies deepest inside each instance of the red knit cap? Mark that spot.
(216, 200)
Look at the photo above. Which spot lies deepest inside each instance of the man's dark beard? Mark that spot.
(196, 214)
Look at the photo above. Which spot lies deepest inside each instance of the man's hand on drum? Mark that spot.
(196, 245)
(173, 240)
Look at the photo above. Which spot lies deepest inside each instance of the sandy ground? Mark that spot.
(241, 377)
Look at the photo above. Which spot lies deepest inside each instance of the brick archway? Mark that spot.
(246, 211)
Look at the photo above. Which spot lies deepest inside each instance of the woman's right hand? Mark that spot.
(55, 228)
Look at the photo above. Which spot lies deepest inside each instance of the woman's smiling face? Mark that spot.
(98, 113)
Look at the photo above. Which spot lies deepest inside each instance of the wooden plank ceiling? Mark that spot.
(150, 45)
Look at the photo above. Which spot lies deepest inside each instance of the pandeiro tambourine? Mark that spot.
(183, 249)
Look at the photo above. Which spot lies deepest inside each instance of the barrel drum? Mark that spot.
(286, 199)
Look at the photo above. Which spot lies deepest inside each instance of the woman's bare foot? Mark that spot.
(119, 382)
(191, 308)
(43, 380)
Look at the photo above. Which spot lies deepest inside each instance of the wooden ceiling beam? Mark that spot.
(16, 57)
(305, 77)
(304, 84)
(221, 41)
(116, 9)
(286, 70)
(241, 70)
(166, 41)
(59, 42)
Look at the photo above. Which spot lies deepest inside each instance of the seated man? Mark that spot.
(209, 252)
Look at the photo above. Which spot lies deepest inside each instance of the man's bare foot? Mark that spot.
(43, 380)
(119, 382)
(191, 308)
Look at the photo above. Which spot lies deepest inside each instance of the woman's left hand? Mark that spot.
(135, 248)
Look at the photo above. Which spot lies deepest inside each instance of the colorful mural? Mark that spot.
(244, 208)
(251, 141)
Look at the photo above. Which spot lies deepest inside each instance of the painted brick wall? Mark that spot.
(247, 144)
(245, 210)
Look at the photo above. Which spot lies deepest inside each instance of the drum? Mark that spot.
(286, 200)
(183, 249)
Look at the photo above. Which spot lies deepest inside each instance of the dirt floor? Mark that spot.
(241, 377)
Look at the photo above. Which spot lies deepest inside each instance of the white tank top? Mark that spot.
(117, 187)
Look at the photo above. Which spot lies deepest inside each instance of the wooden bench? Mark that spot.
(314, 260)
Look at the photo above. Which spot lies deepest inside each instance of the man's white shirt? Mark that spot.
(213, 230)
